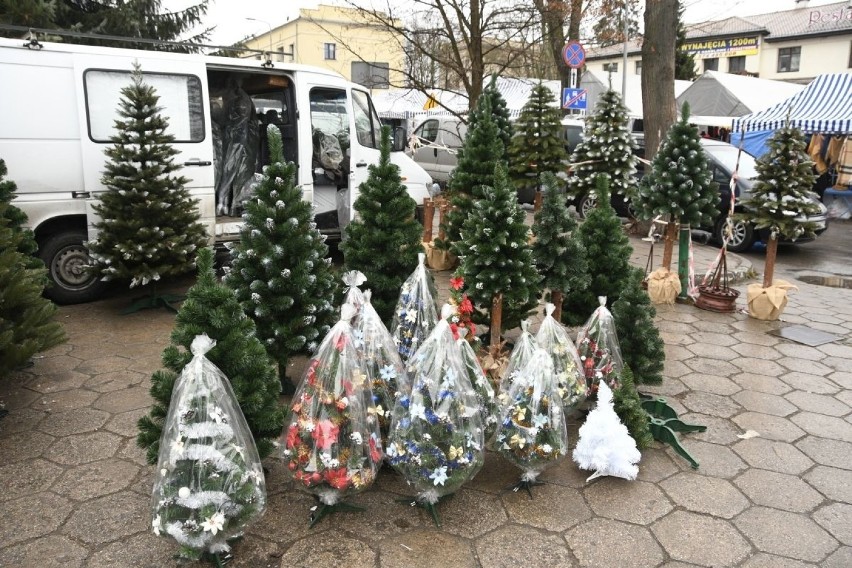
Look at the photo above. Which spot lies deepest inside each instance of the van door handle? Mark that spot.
(197, 162)
(436, 152)
(361, 164)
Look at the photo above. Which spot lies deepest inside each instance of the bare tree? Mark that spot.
(658, 67)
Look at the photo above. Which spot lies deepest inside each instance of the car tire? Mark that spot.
(586, 204)
(66, 259)
(743, 235)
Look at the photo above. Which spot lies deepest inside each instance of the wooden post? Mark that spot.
(556, 298)
(769, 267)
(683, 243)
(537, 202)
(443, 208)
(428, 218)
(496, 320)
(668, 248)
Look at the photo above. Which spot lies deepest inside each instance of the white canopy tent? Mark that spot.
(598, 82)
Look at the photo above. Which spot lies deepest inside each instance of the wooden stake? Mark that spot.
(496, 320)
(668, 248)
(428, 218)
(769, 268)
(556, 298)
(442, 209)
(537, 202)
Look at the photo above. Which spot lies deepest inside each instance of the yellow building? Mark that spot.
(340, 39)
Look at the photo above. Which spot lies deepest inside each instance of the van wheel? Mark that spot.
(586, 204)
(742, 235)
(66, 259)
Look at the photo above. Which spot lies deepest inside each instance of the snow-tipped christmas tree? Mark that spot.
(281, 270)
(211, 308)
(628, 406)
(608, 255)
(642, 347)
(149, 226)
(607, 148)
(538, 148)
(559, 255)
(384, 239)
(496, 257)
(605, 444)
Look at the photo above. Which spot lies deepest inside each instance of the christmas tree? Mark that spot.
(608, 255)
(211, 308)
(384, 240)
(415, 314)
(605, 444)
(496, 257)
(680, 188)
(606, 149)
(209, 482)
(642, 347)
(779, 198)
(538, 148)
(485, 398)
(149, 227)
(597, 346)
(499, 113)
(628, 406)
(559, 255)
(16, 220)
(521, 354)
(481, 151)
(281, 271)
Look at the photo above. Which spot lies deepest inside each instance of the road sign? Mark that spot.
(574, 99)
(574, 54)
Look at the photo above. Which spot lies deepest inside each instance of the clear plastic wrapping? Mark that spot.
(239, 148)
(332, 445)
(436, 438)
(521, 353)
(209, 483)
(597, 345)
(553, 338)
(485, 396)
(532, 432)
(415, 315)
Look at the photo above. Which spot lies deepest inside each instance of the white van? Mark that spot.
(57, 107)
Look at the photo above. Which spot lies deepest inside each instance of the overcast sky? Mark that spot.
(229, 16)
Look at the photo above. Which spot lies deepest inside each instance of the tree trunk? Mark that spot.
(496, 321)
(553, 16)
(668, 245)
(658, 66)
(769, 268)
(556, 298)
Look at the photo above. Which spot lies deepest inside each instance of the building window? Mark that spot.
(330, 50)
(736, 64)
(711, 64)
(610, 67)
(788, 59)
(638, 70)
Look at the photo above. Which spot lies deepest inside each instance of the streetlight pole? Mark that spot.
(624, 56)
(269, 53)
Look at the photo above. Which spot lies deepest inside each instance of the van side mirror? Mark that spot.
(398, 142)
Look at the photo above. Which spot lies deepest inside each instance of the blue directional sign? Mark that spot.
(574, 99)
(574, 54)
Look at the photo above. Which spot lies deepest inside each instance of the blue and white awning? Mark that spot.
(825, 106)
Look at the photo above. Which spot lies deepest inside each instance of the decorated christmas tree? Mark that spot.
(209, 482)
(558, 252)
(606, 149)
(642, 347)
(628, 406)
(415, 314)
(679, 188)
(521, 354)
(149, 226)
(496, 258)
(538, 147)
(608, 253)
(460, 320)
(16, 221)
(211, 308)
(567, 367)
(605, 444)
(485, 397)
(385, 222)
(281, 270)
(597, 345)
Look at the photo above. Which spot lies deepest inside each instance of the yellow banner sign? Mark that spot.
(728, 47)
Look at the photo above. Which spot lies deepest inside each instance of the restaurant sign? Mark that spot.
(729, 47)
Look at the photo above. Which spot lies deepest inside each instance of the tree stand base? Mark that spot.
(153, 301)
(432, 508)
(526, 485)
(663, 423)
(218, 559)
(324, 510)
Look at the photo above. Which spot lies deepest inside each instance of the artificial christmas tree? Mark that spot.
(642, 347)
(538, 147)
(386, 223)
(778, 204)
(681, 189)
(415, 314)
(281, 271)
(521, 354)
(608, 256)
(16, 218)
(597, 345)
(606, 149)
(211, 308)
(496, 258)
(559, 255)
(567, 367)
(605, 444)
(209, 483)
(499, 113)
(628, 406)
(149, 225)
(485, 397)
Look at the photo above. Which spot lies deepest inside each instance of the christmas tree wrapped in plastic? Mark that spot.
(597, 345)
(352, 279)
(209, 482)
(436, 438)
(332, 444)
(486, 399)
(521, 354)
(415, 315)
(570, 383)
(605, 444)
(532, 432)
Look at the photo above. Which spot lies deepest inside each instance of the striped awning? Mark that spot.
(825, 106)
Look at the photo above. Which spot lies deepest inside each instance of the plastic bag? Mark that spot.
(209, 482)
(332, 444)
(571, 383)
(436, 438)
(485, 397)
(239, 147)
(597, 345)
(354, 296)
(523, 351)
(532, 432)
(415, 315)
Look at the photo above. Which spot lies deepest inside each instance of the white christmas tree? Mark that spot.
(605, 444)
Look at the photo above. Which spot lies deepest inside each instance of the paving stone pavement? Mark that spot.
(77, 489)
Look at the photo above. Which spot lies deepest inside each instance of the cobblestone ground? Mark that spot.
(76, 488)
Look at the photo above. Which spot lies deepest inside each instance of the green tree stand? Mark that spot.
(663, 423)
